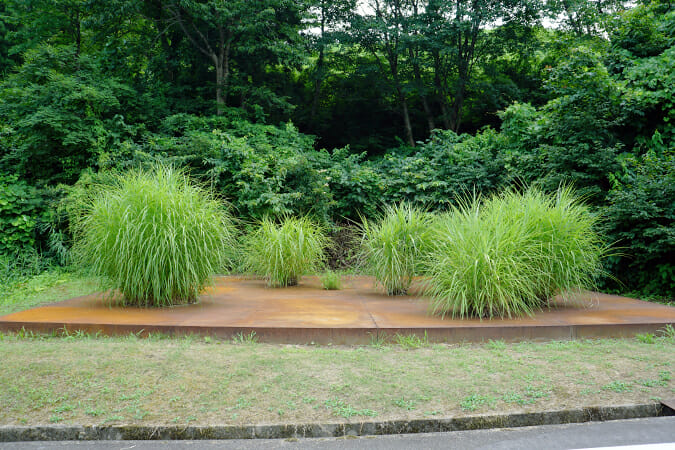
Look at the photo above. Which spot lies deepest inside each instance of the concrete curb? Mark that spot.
(314, 430)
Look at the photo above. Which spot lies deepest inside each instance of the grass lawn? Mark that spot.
(160, 380)
(50, 286)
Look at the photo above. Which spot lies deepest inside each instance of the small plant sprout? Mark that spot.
(393, 246)
(245, 338)
(283, 252)
(331, 281)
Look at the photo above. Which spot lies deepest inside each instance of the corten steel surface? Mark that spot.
(355, 314)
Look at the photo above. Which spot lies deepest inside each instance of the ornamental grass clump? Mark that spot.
(511, 254)
(283, 252)
(154, 236)
(393, 246)
(565, 230)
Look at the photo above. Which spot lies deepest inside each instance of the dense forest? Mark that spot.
(336, 108)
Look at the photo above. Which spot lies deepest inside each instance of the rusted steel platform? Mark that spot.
(356, 314)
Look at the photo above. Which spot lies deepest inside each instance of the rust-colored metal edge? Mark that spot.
(349, 336)
(355, 315)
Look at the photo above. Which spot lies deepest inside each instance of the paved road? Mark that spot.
(647, 434)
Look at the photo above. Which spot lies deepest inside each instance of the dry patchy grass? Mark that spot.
(192, 380)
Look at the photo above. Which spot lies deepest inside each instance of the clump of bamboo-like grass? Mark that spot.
(393, 246)
(154, 236)
(511, 254)
(283, 252)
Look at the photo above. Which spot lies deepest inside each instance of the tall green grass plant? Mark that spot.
(393, 246)
(283, 252)
(510, 254)
(154, 236)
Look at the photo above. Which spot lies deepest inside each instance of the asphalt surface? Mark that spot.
(656, 433)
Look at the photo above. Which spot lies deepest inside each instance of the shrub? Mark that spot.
(641, 219)
(19, 206)
(443, 167)
(283, 252)
(64, 112)
(392, 247)
(154, 236)
(511, 254)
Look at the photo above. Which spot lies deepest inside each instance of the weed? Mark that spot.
(498, 345)
(475, 401)
(652, 383)
(412, 341)
(64, 408)
(331, 281)
(378, 340)
(408, 405)
(341, 409)
(668, 332)
(242, 338)
(94, 412)
(514, 397)
(618, 386)
(535, 393)
(242, 403)
(589, 391)
(645, 338)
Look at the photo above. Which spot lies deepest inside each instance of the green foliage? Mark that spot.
(121, 83)
(643, 31)
(19, 207)
(331, 281)
(62, 114)
(20, 266)
(356, 184)
(261, 169)
(645, 338)
(510, 254)
(283, 252)
(155, 237)
(393, 246)
(273, 171)
(565, 230)
(641, 220)
(572, 138)
(445, 168)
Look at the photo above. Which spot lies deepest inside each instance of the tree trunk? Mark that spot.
(317, 85)
(420, 87)
(220, 102)
(319, 66)
(441, 96)
(457, 106)
(406, 117)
